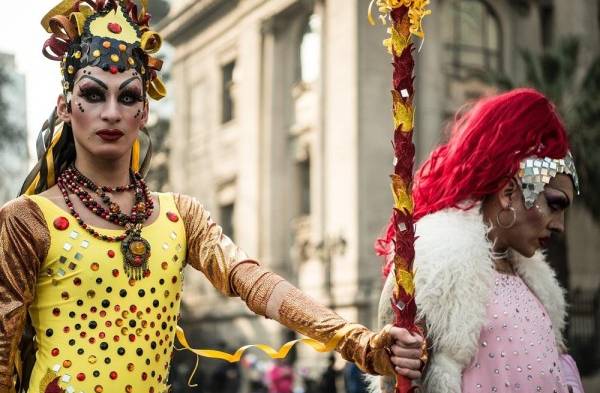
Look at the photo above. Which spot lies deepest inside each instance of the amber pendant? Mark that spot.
(136, 252)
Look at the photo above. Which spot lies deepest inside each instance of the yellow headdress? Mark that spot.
(109, 34)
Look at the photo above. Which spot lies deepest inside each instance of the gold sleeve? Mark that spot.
(266, 293)
(208, 249)
(297, 311)
(24, 243)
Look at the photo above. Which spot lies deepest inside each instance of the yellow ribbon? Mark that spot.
(78, 19)
(61, 8)
(151, 42)
(50, 179)
(271, 352)
(156, 89)
(135, 156)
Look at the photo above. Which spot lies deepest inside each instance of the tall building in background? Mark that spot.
(14, 156)
(282, 128)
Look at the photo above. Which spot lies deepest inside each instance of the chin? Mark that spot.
(111, 152)
(527, 252)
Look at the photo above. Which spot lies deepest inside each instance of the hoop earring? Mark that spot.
(512, 221)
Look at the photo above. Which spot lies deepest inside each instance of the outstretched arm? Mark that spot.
(268, 294)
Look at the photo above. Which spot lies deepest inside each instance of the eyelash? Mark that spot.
(554, 204)
(94, 95)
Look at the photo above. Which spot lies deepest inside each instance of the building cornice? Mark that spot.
(188, 19)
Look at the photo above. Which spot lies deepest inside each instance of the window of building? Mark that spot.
(228, 109)
(473, 38)
(226, 220)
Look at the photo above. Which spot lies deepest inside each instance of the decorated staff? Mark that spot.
(405, 17)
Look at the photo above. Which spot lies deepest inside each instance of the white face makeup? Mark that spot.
(106, 112)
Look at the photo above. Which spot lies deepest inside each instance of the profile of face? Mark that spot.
(528, 230)
(106, 112)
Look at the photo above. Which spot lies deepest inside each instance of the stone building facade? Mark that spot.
(14, 157)
(282, 129)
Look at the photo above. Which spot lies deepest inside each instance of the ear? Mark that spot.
(144, 117)
(508, 192)
(63, 109)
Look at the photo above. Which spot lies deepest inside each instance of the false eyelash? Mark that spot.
(88, 92)
(135, 96)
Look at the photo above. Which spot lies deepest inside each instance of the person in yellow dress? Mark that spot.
(93, 261)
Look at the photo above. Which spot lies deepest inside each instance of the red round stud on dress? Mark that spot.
(61, 223)
(110, 253)
(115, 28)
(172, 216)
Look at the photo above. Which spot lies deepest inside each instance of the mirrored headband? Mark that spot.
(535, 173)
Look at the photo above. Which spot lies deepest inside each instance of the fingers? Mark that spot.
(408, 373)
(406, 339)
(401, 362)
(409, 353)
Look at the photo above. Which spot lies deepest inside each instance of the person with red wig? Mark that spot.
(486, 204)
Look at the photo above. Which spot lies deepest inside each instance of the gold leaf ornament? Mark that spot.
(396, 42)
(403, 112)
(402, 196)
(405, 280)
(417, 10)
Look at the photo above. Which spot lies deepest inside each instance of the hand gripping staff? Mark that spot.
(404, 18)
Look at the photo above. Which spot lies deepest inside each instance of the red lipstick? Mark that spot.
(544, 242)
(110, 135)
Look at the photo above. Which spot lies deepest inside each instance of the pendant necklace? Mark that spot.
(135, 249)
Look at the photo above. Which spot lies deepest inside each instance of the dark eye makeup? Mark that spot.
(130, 96)
(94, 94)
(91, 94)
(556, 201)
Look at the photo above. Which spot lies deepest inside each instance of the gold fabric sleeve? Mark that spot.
(229, 270)
(208, 249)
(24, 243)
(301, 313)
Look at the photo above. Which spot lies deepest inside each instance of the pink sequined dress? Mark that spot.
(517, 349)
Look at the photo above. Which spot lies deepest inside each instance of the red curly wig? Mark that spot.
(485, 148)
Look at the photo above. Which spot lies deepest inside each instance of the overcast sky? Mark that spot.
(22, 35)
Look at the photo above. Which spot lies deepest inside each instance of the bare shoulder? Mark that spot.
(53, 194)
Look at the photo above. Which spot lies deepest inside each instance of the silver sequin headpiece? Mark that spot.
(535, 173)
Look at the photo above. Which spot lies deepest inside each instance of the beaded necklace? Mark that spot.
(135, 249)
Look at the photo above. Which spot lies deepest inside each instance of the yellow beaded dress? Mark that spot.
(96, 329)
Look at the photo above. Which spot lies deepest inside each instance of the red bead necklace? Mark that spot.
(136, 249)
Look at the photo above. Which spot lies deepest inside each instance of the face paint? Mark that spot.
(106, 124)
